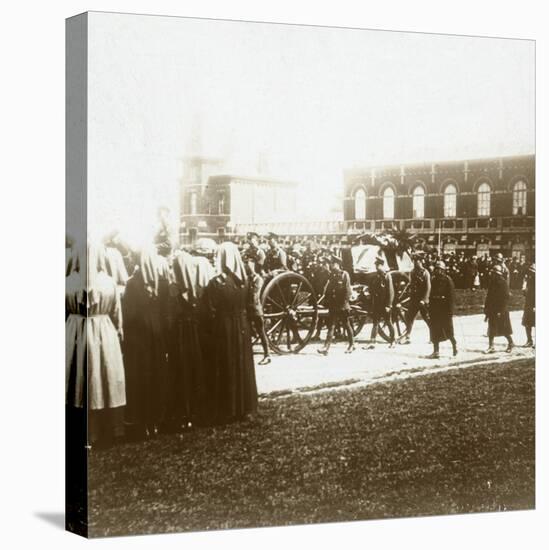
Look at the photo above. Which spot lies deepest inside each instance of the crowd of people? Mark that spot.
(160, 339)
(466, 271)
(161, 349)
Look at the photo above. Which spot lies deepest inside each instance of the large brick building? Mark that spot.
(218, 205)
(477, 206)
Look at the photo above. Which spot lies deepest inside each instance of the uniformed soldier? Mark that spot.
(319, 276)
(256, 252)
(254, 307)
(383, 293)
(308, 256)
(420, 289)
(498, 260)
(496, 309)
(338, 296)
(441, 309)
(276, 257)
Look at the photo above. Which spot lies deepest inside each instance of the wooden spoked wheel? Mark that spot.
(290, 312)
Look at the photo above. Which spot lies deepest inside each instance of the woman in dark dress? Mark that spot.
(144, 347)
(231, 376)
(496, 309)
(529, 315)
(441, 309)
(186, 377)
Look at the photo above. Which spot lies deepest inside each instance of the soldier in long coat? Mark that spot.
(496, 309)
(338, 296)
(499, 260)
(383, 294)
(529, 315)
(441, 309)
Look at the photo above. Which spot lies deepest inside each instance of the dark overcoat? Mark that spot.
(441, 308)
(338, 292)
(496, 307)
(231, 375)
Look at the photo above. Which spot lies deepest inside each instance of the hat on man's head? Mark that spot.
(440, 265)
(272, 235)
(499, 257)
(251, 235)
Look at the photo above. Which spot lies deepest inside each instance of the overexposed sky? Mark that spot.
(311, 101)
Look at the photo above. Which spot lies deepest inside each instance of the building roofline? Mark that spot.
(428, 164)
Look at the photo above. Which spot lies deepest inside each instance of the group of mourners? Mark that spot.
(163, 349)
(160, 340)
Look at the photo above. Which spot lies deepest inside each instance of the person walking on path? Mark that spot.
(383, 293)
(496, 309)
(420, 289)
(338, 299)
(441, 310)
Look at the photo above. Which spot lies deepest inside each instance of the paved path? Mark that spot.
(308, 369)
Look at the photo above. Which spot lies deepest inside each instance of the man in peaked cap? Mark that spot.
(338, 296)
(276, 256)
(383, 293)
(496, 309)
(254, 307)
(255, 251)
(499, 260)
(420, 288)
(441, 309)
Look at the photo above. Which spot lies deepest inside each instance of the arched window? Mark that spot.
(388, 203)
(483, 199)
(450, 198)
(360, 205)
(418, 201)
(519, 198)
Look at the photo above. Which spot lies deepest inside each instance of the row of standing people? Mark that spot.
(466, 272)
(169, 348)
(432, 295)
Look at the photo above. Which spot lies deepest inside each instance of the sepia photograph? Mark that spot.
(300, 276)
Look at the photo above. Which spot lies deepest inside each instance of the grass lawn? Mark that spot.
(470, 302)
(453, 442)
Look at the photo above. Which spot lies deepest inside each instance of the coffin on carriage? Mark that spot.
(294, 306)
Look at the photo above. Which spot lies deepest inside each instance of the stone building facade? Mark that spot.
(478, 206)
